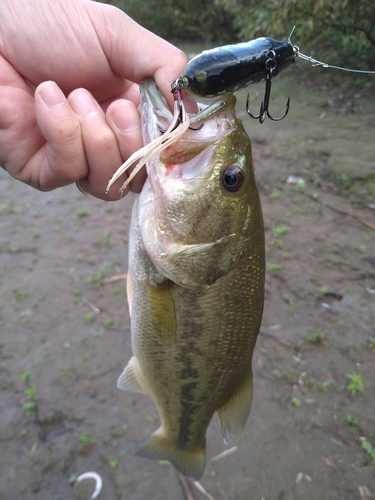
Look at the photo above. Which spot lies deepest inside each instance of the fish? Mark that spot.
(195, 282)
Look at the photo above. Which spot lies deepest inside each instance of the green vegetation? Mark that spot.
(85, 439)
(89, 317)
(102, 272)
(297, 402)
(371, 341)
(83, 212)
(326, 27)
(273, 266)
(315, 338)
(356, 383)
(6, 209)
(20, 295)
(106, 238)
(30, 393)
(279, 230)
(350, 420)
(369, 449)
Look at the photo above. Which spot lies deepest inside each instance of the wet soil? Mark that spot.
(65, 326)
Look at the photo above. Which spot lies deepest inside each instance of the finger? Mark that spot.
(103, 153)
(146, 56)
(123, 117)
(63, 160)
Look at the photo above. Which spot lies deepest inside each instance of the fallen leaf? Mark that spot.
(329, 461)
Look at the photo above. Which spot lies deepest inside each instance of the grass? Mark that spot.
(315, 338)
(323, 386)
(106, 238)
(350, 420)
(369, 450)
(89, 317)
(6, 209)
(97, 276)
(85, 439)
(277, 232)
(30, 393)
(273, 266)
(20, 295)
(83, 212)
(297, 402)
(356, 383)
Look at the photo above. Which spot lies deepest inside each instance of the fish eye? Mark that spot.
(232, 178)
(201, 76)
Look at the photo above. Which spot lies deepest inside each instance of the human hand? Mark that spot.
(96, 56)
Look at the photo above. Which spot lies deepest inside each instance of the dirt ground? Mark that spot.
(65, 326)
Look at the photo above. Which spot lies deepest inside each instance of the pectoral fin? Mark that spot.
(207, 262)
(129, 379)
(189, 462)
(234, 413)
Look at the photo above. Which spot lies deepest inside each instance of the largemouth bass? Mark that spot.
(195, 283)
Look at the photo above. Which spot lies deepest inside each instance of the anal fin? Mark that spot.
(129, 379)
(189, 462)
(234, 413)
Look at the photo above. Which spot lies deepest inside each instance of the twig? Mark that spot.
(185, 486)
(116, 277)
(287, 343)
(199, 487)
(96, 310)
(224, 454)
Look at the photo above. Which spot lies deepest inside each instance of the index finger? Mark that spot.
(136, 53)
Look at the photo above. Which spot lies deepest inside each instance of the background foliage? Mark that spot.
(343, 27)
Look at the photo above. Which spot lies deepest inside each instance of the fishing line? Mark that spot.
(315, 62)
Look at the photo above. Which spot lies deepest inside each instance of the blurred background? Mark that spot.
(344, 29)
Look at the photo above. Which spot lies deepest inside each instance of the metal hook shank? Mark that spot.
(264, 107)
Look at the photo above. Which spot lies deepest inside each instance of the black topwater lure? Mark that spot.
(226, 69)
(229, 68)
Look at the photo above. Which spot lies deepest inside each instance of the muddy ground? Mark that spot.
(65, 329)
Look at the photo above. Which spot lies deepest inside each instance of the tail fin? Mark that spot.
(190, 463)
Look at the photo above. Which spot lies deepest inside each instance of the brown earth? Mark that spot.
(65, 330)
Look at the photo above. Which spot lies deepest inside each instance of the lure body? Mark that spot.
(229, 68)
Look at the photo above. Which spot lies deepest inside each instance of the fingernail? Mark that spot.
(126, 118)
(83, 103)
(52, 95)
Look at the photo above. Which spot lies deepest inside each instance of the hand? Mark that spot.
(96, 56)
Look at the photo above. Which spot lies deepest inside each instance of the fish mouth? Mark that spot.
(216, 122)
(186, 156)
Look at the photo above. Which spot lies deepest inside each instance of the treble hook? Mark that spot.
(176, 91)
(264, 107)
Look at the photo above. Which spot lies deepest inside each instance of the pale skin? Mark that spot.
(69, 75)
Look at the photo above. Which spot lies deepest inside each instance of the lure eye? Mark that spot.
(201, 76)
(232, 178)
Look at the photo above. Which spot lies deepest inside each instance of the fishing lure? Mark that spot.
(226, 69)
(229, 68)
